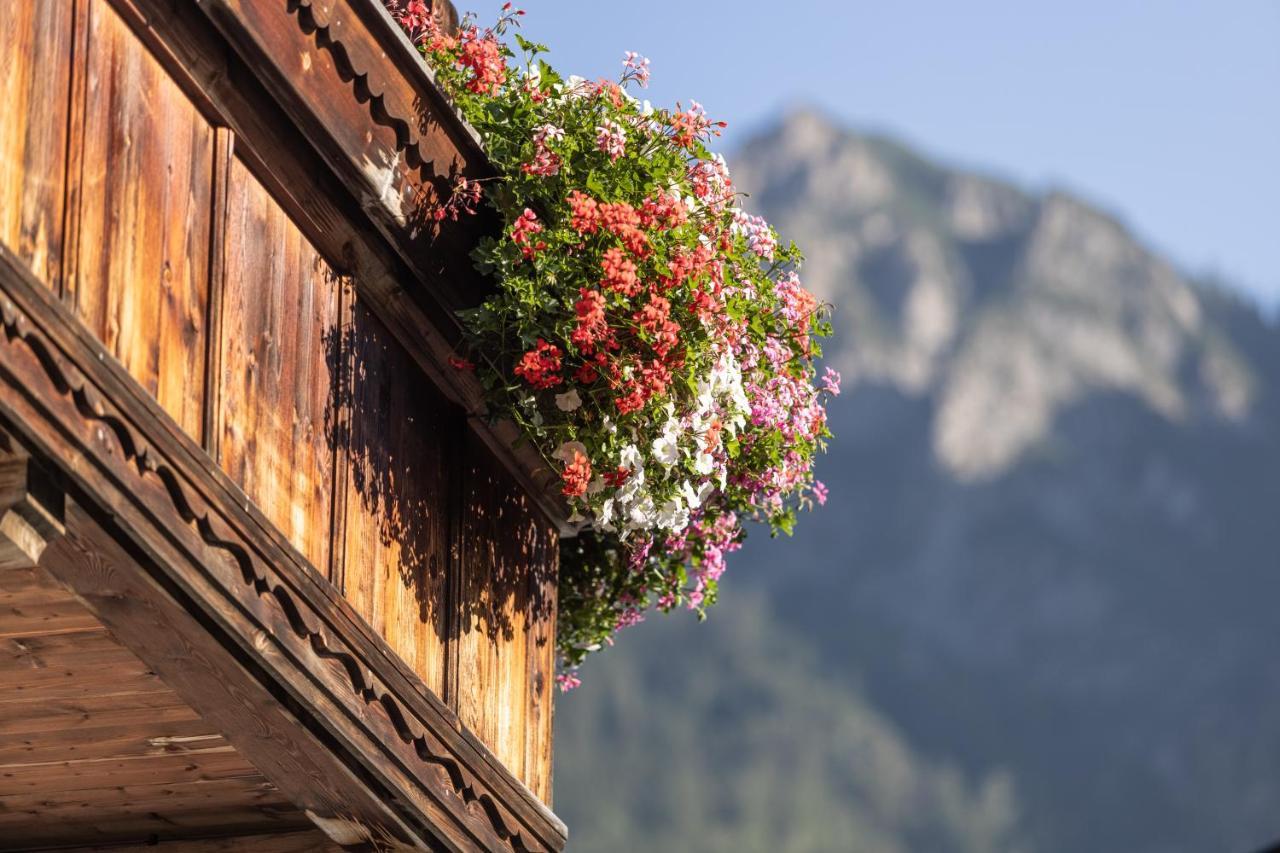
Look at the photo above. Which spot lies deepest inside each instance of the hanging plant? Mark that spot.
(650, 337)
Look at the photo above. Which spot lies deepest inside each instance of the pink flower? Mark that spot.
(691, 125)
(636, 67)
(545, 162)
(525, 231)
(820, 492)
(760, 237)
(831, 382)
(568, 681)
(611, 138)
(711, 183)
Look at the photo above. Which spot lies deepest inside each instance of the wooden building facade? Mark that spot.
(269, 577)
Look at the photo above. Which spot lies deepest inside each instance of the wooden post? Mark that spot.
(31, 507)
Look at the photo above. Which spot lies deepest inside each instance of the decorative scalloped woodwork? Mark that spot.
(326, 110)
(239, 572)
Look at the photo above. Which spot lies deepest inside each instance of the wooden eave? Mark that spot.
(168, 553)
(329, 99)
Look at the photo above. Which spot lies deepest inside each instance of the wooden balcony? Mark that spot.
(270, 579)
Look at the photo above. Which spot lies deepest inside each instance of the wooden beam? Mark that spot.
(130, 598)
(292, 842)
(228, 596)
(30, 508)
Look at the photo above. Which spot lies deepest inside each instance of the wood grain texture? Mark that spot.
(35, 43)
(344, 74)
(279, 353)
(291, 842)
(193, 528)
(95, 748)
(157, 189)
(400, 432)
(508, 565)
(142, 271)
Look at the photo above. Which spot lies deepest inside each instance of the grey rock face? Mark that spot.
(1003, 307)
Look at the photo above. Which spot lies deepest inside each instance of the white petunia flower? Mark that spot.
(604, 518)
(568, 401)
(665, 450)
(673, 516)
(704, 463)
(566, 451)
(641, 513)
(629, 457)
(695, 496)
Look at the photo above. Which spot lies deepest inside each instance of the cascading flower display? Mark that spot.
(652, 339)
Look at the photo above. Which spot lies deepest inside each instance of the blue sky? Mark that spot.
(1165, 113)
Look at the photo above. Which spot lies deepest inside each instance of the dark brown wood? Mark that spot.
(58, 777)
(94, 747)
(285, 161)
(218, 211)
(189, 522)
(226, 693)
(293, 842)
(30, 508)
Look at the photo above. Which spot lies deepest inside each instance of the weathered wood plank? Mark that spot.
(138, 826)
(33, 716)
(28, 581)
(279, 353)
(540, 721)
(178, 736)
(56, 650)
(144, 222)
(34, 620)
(395, 533)
(30, 668)
(226, 558)
(223, 163)
(35, 41)
(221, 763)
(292, 842)
(507, 561)
(167, 797)
(229, 697)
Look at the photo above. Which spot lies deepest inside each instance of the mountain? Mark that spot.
(1037, 612)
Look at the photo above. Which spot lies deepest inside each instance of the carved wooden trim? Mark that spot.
(63, 395)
